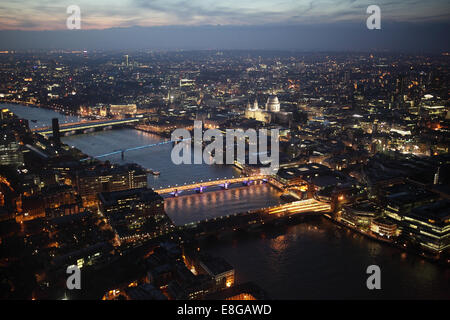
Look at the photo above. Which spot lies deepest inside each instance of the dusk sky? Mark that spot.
(431, 17)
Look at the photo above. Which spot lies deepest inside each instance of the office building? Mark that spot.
(135, 213)
(219, 269)
(122, 110)
(429, 226)
(107, 179)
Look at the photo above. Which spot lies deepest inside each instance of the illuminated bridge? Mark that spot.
(87, 126)
(255, 219)
(310, 205)
(202, 185)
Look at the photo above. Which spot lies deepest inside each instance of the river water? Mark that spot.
(320, 260)
(156, 157)
(313, 260)
(41, 117)
(197, 207)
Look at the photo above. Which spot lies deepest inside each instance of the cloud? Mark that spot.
(101, 14)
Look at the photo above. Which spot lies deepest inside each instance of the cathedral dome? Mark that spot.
(273, 104)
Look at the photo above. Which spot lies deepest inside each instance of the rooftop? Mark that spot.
(216, 265)
(439, 212)
(142, 194)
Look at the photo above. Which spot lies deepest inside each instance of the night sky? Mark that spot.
(410, 25)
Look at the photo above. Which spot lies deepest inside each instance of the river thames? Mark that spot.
(312, 260)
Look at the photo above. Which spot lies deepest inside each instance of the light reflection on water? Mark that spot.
(196, 207)
(318, 260)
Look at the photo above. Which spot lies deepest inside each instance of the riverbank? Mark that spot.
(400, 246)
(146, 129)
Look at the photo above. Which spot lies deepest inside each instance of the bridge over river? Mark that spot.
(87, 126)
(255, 219)
(224, 183)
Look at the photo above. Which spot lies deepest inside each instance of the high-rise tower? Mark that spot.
(55, 128)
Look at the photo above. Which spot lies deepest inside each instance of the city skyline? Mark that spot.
(88, 178)
(235, 150)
